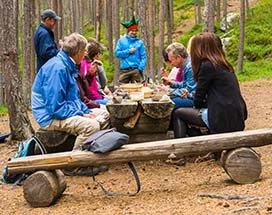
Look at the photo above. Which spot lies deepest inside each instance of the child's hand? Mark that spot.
(164, 72)
(166, 81)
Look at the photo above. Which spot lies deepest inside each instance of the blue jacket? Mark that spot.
(188, 82)
(131, 60)
(45, 45)
(55, 94)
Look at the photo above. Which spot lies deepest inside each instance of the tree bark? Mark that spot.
(243, 165)
(242, 36)
(28, 50)
(20, 125)
(108, 22)
(145, 151)
(209, 18)
(116, 33)
(43, 188)
(161, 35)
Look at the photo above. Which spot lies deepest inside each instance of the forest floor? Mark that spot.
(166, 189)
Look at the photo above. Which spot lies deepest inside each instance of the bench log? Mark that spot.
(43, 188)
(243, 165)
(144, 151)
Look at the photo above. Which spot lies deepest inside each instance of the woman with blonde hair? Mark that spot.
(218, 103)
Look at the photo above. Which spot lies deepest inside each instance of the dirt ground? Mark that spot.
(166, 189)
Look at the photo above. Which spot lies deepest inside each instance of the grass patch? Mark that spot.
(3, 109)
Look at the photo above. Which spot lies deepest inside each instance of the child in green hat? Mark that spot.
(132, 53)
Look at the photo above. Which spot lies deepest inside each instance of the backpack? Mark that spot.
(25, 148)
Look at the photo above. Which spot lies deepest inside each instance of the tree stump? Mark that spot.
(55, 141)
(243, 165)
(43, 188)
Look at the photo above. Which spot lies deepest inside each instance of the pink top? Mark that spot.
(179, 76)
(93, 87)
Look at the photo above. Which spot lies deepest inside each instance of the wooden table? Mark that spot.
(145, 120)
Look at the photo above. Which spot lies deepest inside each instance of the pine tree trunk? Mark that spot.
(19, 121)
(242, 36)
(116, 33)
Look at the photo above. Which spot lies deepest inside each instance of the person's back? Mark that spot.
(44, 40)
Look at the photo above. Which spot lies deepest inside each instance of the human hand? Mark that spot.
(132, 50)
(89, 115)
(166, 81)
(60, 44)
(184, 93)
(164, 72)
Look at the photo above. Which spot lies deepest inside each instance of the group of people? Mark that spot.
(70, 92)
(205, 89)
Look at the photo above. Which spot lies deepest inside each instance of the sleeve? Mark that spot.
(143, 57)
(121, 51)
(102, 77)
(47, 48)
(204, 81)
(188, 83)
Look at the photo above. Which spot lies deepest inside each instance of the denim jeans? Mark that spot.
(182, 102)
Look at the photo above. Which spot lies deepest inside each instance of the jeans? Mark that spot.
(182, 102)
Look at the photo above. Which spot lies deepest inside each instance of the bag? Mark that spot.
(25, 148)
(105, 140)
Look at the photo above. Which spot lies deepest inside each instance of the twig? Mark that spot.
(238, 210)
(227, 197)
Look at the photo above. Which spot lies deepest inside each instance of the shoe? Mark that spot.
(85, 171)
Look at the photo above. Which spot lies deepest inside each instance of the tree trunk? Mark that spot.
(161, 34)
(116, 33)
(198, 16)
(28, 53)
(145, 151)
(99, 6)
(43, 188)
(19, 121)
(209, 16)
(170, 21)
(151, 24)
(243, 165)
(144, 36)
(108, 23)
(242, 36)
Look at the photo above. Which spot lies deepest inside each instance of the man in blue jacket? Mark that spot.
(55, 100)
(44, 40)
(131, 51)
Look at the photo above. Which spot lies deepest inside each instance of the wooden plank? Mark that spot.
(144, 151)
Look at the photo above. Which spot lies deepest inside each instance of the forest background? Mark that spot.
(162, 22)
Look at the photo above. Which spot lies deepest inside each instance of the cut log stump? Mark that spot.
(55, 141)
(43, 188)
(243, 165)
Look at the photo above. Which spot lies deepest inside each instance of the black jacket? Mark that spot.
(219, 90)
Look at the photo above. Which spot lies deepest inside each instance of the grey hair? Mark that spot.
(177, 49)
(74, 43)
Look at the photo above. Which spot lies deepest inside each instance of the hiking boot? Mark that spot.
(85, 171)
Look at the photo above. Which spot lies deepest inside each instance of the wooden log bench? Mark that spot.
(239, 160)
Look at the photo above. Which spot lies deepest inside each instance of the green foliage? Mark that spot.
(256, 70)
(258, 40)
(3, 109)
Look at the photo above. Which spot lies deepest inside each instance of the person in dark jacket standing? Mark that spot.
(218, 103)
(44, 40)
